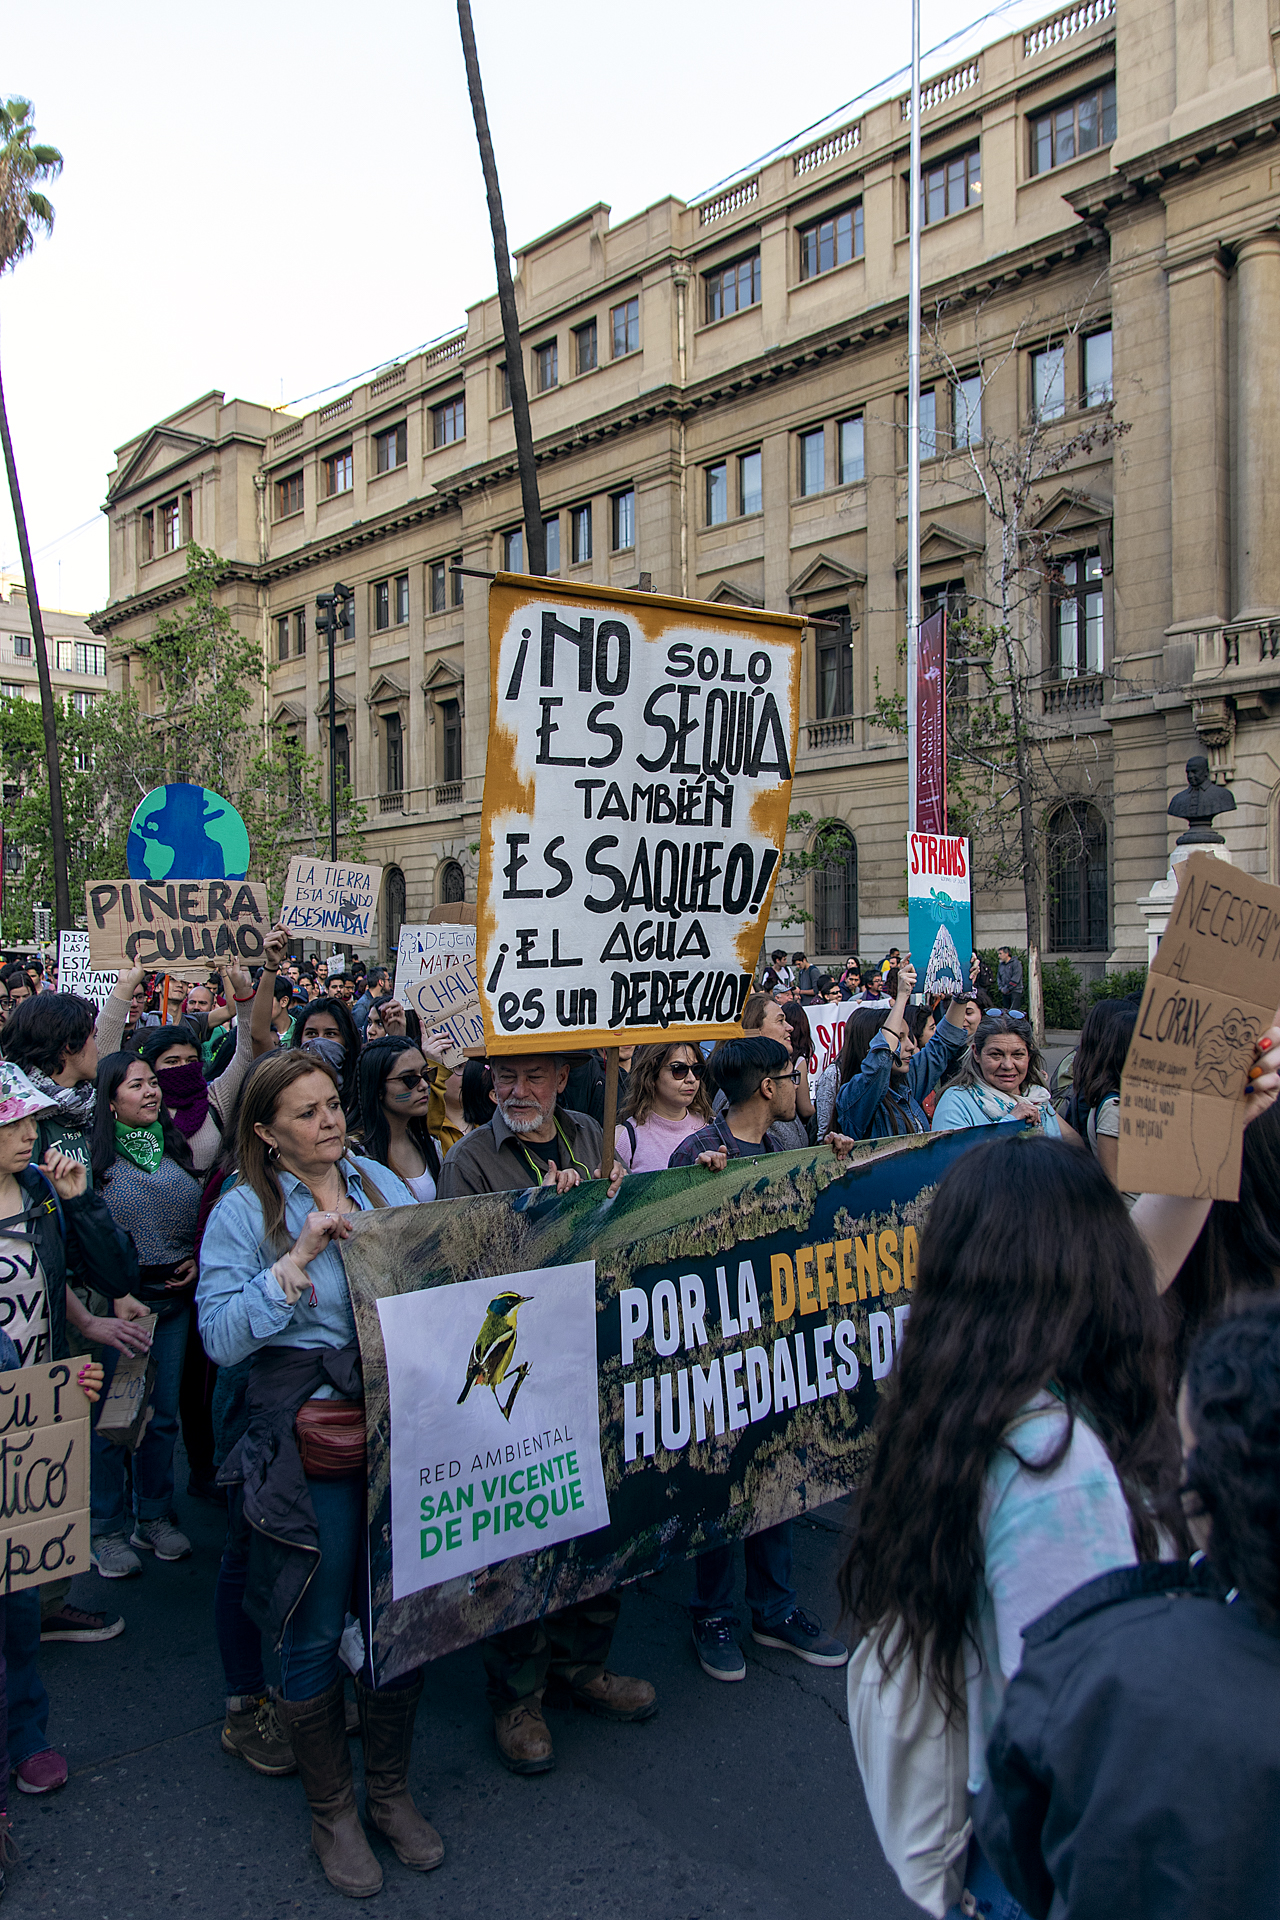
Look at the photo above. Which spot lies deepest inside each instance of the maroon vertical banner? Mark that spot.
(930, 696)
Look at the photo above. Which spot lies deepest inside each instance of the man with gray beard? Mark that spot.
(532, 1141)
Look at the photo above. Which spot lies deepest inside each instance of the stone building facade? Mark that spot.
(718, 404)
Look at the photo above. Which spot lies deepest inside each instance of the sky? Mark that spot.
(270, 198)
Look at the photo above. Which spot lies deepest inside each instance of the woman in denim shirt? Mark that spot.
(886, 1075)
(273, 1288)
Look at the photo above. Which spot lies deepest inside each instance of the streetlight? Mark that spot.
(331, 614)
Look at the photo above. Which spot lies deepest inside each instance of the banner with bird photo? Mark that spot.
(566, 1393)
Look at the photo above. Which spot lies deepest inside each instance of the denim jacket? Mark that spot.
(863, 1104)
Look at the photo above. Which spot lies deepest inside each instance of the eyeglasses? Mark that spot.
(685, 1069)
(793, 1076)
(411, 1080)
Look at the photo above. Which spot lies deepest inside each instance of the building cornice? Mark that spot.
(1151, 172)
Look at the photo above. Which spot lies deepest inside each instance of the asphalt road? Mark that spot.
(734, 1800)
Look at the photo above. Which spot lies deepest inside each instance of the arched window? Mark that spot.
(835, 892)
(393, 911)
(451, 886)
(1077, 879)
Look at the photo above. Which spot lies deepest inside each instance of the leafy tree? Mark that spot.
(25, 212)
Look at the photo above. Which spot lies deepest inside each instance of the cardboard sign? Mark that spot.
(939, 912)
(448, 1005)
(338, 901)
(76, 973)
(826, 1027)
(44, 1476)
(1212, 990)
(431, 949)
(125, 1406)
(636, 795)
(739, 1331)
(182, 927)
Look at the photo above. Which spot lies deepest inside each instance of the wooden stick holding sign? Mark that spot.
(610, 1111)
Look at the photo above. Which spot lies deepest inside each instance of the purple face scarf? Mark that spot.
(186, 1095)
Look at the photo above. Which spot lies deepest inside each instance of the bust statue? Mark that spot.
(1198, 802)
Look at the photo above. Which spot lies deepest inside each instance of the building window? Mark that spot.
(585, 357)
(449, 422)
(438, 588)
(349, 619)
(339, 473)
(82, 656)
(718, 494)
(546, 361)
(750, 484)
(504, 388)
(381, 605)
(393, 913)
(813, 461)
(835, 666)
(928, 423)
(1076, 587)
(1078, 880)
(450, 884)
(622, 516)
(186, 515)
(551, 535)
(147, 534)
(1078, 127)
(1097, 369)
(852, 463)
(1049, 383)
(513, 551)
(402, 599)
(342, 756)
(83, 705)
(831, 242)
(835, 895)
(170, 527)
(391, 448)
(450, 742)
(624, 324)
(732, 289)
(288, 496)
(22, 646)
(13, 690)
(950, 187)
(300, 632)
(395, 754)
(456, 576)
(282, 637)
(966, 411)
(580, 526)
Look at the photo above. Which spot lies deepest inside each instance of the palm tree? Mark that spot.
(534, 534)
(24, 211)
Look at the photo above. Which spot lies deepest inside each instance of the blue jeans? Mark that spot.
(992, 1899)
(22, 1694)
(770, 1594)
(239, 1639)
(309, 1650)
(153, 1461)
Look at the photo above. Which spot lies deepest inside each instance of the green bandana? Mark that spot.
(143, 1145)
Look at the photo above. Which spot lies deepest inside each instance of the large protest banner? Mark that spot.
(636, 795)
(182, 927)
(336, 900)
(44, 1476)
(566, 1393)
(76, 972)
(939, 912)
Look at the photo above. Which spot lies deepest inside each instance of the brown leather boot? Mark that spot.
(386, 1726)
(615, 1697)
(318, 1736)
(523, 1737)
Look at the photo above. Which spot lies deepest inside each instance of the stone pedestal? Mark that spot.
(1156, 906)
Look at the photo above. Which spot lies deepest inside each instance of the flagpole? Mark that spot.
(913, 426)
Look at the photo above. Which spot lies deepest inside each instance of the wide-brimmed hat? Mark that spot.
(19, 1100)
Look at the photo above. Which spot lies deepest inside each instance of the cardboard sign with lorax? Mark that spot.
(1212, 991)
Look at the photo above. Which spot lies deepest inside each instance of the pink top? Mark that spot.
(656, 1141)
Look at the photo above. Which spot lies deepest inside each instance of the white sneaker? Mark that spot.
(113, 1557)
(162, 1538)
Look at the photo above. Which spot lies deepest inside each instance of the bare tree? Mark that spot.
(534, 534)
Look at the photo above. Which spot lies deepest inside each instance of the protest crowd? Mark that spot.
(1063, 1565)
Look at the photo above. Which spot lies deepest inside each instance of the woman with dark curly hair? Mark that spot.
(1135, 1767)
(666, 1102)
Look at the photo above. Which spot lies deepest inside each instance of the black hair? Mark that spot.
(1233, 1470)
(860, 1030)
(42, 1031)
(477, 1086)
(1104, 1042)
(801, 1032)
(742, 1064)
(13, 975)
(284, 988)
(112, 1069)
(1239, 1244)
(412, 1024)
(350, 1042)
(158, 1040)
(376, 1064)
(377, 973)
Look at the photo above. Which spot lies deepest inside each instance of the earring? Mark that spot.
(273, 1153)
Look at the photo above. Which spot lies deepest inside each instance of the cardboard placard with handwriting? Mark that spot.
(126, 1404)
(448, 1005)
(182, 927)
(1212, 990)
(44, 1476)
(337, 901)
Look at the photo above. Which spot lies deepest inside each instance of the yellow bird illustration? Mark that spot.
(494, 1348)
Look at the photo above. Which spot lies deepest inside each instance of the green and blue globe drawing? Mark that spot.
(184, 832)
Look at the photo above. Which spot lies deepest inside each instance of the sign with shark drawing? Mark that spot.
(495, 1421)
(939, 912)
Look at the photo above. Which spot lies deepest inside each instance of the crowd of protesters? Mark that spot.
(1068, 1536)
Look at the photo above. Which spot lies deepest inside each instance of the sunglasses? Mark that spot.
(411, 1080)
(684, 1069)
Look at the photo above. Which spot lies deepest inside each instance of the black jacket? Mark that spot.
(284, 1545)
(1135, 1766)
(79, 1233)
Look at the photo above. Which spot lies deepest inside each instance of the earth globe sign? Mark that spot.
(185, 832)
